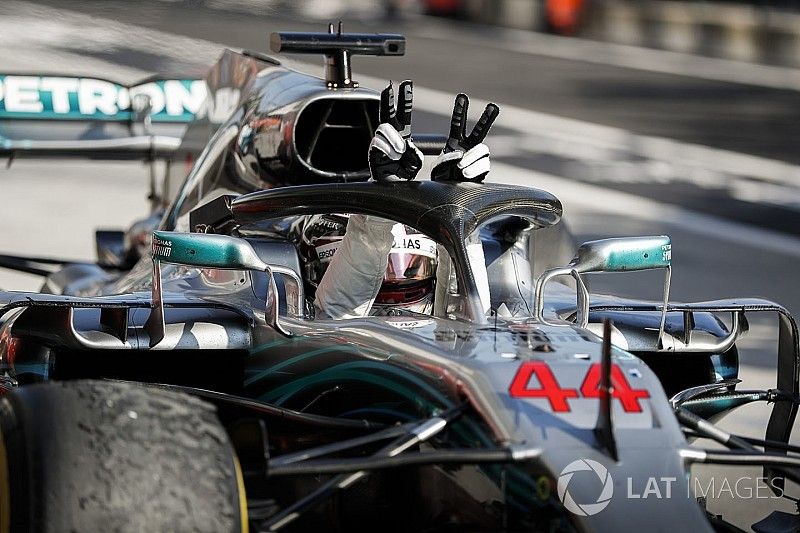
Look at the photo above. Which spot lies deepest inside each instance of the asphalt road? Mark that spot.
(452, 56)
(617, 145)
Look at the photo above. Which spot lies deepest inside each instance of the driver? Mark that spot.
(410, 270)
(372, 259)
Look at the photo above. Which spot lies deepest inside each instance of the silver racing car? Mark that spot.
(185, 382)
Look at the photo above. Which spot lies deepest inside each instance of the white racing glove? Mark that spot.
(392, 154)
(465, 157)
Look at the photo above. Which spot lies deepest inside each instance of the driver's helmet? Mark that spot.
(410, 273)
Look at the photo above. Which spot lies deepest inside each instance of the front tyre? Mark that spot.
(109, 456)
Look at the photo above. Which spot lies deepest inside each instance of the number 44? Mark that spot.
(558, 396)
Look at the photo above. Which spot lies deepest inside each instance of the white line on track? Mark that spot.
(74, 30)
(587, 197)
(586, 138)
(627, 56)
(542, 44)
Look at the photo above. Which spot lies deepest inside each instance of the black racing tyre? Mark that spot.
(86, 456)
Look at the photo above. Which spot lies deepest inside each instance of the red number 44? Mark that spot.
(558, 396)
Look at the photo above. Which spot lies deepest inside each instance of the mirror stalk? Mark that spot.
(216, 251)
(611, 255)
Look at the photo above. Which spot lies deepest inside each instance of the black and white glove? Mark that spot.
(392, 154)
(465, 157)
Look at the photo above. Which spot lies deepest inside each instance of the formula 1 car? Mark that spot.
(183, 382)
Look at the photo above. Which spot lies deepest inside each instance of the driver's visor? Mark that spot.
(412, 258)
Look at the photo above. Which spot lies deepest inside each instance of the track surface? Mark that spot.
(732, 220)
(502, 66)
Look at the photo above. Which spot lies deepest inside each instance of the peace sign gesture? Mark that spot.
(465, 157)
(398, 117)
(392, 154)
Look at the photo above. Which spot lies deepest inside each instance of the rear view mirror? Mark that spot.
(206, 251)
(216, 251)
(624, 254)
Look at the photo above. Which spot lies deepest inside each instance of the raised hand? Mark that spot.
(392, 154)
(465, 157)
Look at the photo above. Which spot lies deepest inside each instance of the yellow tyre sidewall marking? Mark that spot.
(242, 497)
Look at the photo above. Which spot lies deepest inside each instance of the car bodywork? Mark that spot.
(498, 405)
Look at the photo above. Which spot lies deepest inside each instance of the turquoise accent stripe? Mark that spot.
(378, 410)
(345, 348)
(395, 371)
(285, 392)
(122, 116)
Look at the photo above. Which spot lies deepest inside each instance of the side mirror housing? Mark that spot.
(205, 251)
(624, 254)
(216, 251)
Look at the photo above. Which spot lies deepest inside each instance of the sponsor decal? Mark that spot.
(325, 251)
(666, 253)
(415, 243)
(161, 249)
(58, 97)
(405, 323)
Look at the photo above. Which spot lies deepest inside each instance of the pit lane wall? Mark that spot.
(719, 29)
